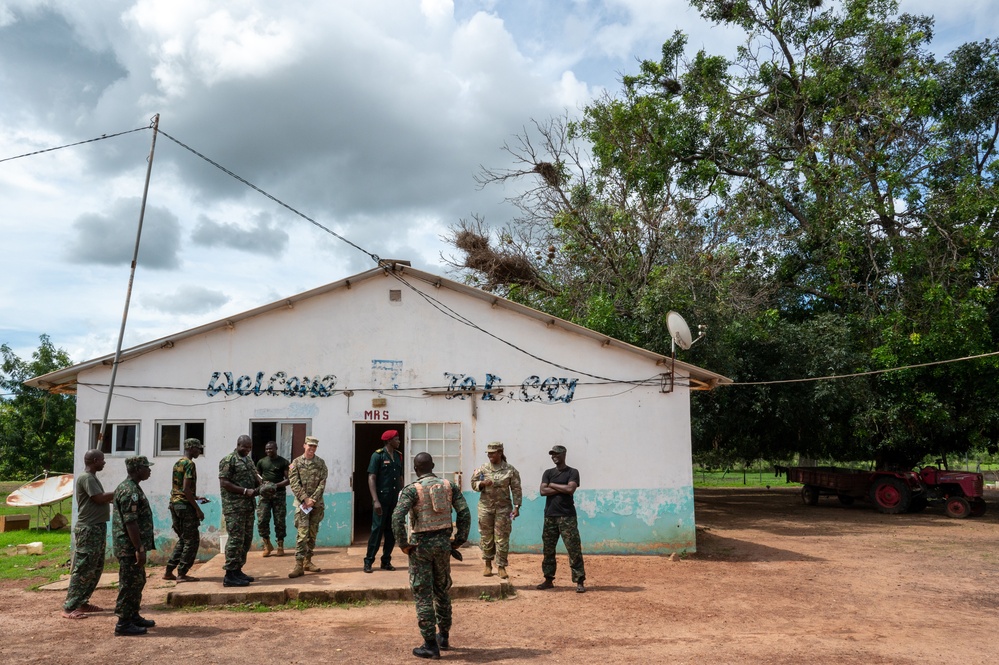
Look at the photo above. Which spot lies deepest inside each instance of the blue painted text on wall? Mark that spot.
(552, 390)
(279, 383)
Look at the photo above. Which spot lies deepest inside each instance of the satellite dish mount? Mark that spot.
(679, 333)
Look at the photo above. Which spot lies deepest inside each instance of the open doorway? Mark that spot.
(368, 439)
(289, 435)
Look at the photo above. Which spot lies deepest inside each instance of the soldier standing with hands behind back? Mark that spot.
(384, 474)
(132, 537)
(429, 501)
(308, 482)
(272, 469)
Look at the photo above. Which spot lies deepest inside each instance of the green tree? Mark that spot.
(826, 202)
(36, 427)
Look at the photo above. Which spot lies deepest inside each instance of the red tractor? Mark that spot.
(959, 491)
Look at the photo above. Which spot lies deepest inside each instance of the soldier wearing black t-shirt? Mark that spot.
(557, 486)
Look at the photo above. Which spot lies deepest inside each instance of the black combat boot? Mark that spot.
(231, 579)
(428, 650)
(128, 628)
(142, 622)
(239, 573)
(442, 640)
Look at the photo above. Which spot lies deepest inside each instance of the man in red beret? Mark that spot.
(384, 483)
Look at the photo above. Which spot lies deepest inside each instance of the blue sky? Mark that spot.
(370, 116)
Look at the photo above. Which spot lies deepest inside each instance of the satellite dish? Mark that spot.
(679, 330)
(43, 492)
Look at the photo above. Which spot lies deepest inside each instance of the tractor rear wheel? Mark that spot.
(891, 496)
(958, 507)
(978, 506)
(810, 495)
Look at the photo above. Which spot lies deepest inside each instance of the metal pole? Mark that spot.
(131, 279)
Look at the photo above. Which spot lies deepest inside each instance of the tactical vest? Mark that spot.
(432, 511)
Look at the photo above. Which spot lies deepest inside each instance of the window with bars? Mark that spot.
(442, 441)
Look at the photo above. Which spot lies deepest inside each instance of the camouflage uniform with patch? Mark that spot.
(184, 517)
(272, 502)
(238, 509)
(430, 562)
(90, 536)
(496, 503)
(130, 505)
(308, 480)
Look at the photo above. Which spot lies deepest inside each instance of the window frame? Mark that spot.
(110, 444)
(445, 465)
(183, 424)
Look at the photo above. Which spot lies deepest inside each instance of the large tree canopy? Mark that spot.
(36, 427)
(825, 202)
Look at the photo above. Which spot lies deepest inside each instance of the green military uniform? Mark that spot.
(90, 536)
(273, 471)
(308, 480)
(130, 505)
(184, 517)
(430, 562)
(237, 509)
(496, 507)
(387, 469)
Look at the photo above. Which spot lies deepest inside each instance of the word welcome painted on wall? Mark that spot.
(279, 383)
(552, 390)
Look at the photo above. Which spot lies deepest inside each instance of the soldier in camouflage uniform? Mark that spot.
(93, 508)
(239, 481)
(558, 485)
(185, 513)
(132, 537)
(429, 501)
(500, 499)
(273, 470)
(308, 482)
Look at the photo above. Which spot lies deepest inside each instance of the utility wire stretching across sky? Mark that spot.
(448, 311)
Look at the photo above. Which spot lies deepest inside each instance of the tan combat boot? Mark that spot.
(280, 549)
(268, 548)
(488, 570)
(501, 571)
(311, 567)
(297, 572)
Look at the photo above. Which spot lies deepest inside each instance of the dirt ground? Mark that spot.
(773, 582)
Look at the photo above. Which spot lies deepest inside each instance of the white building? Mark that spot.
(449, 366)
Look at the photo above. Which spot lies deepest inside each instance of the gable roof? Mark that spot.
(64, 380)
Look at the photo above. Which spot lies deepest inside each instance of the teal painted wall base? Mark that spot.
(642, 521)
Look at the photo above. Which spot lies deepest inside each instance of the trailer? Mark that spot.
(893, 492)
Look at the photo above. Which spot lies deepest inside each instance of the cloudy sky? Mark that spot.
(370, 116)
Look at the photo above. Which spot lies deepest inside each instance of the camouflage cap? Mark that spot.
(133, 464)
(193, 443)
(311, 441)
(557, 450)
(495, 447)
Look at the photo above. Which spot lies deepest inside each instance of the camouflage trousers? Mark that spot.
(308, 529)
(565, 527)
(430, 578)
(494, 533)
(276, 506)
(88, 564)
(187, 526)
(131, 582)
(239, 526)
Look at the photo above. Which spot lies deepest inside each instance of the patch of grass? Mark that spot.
(65, 507)
(53, 562)
(261, 608)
